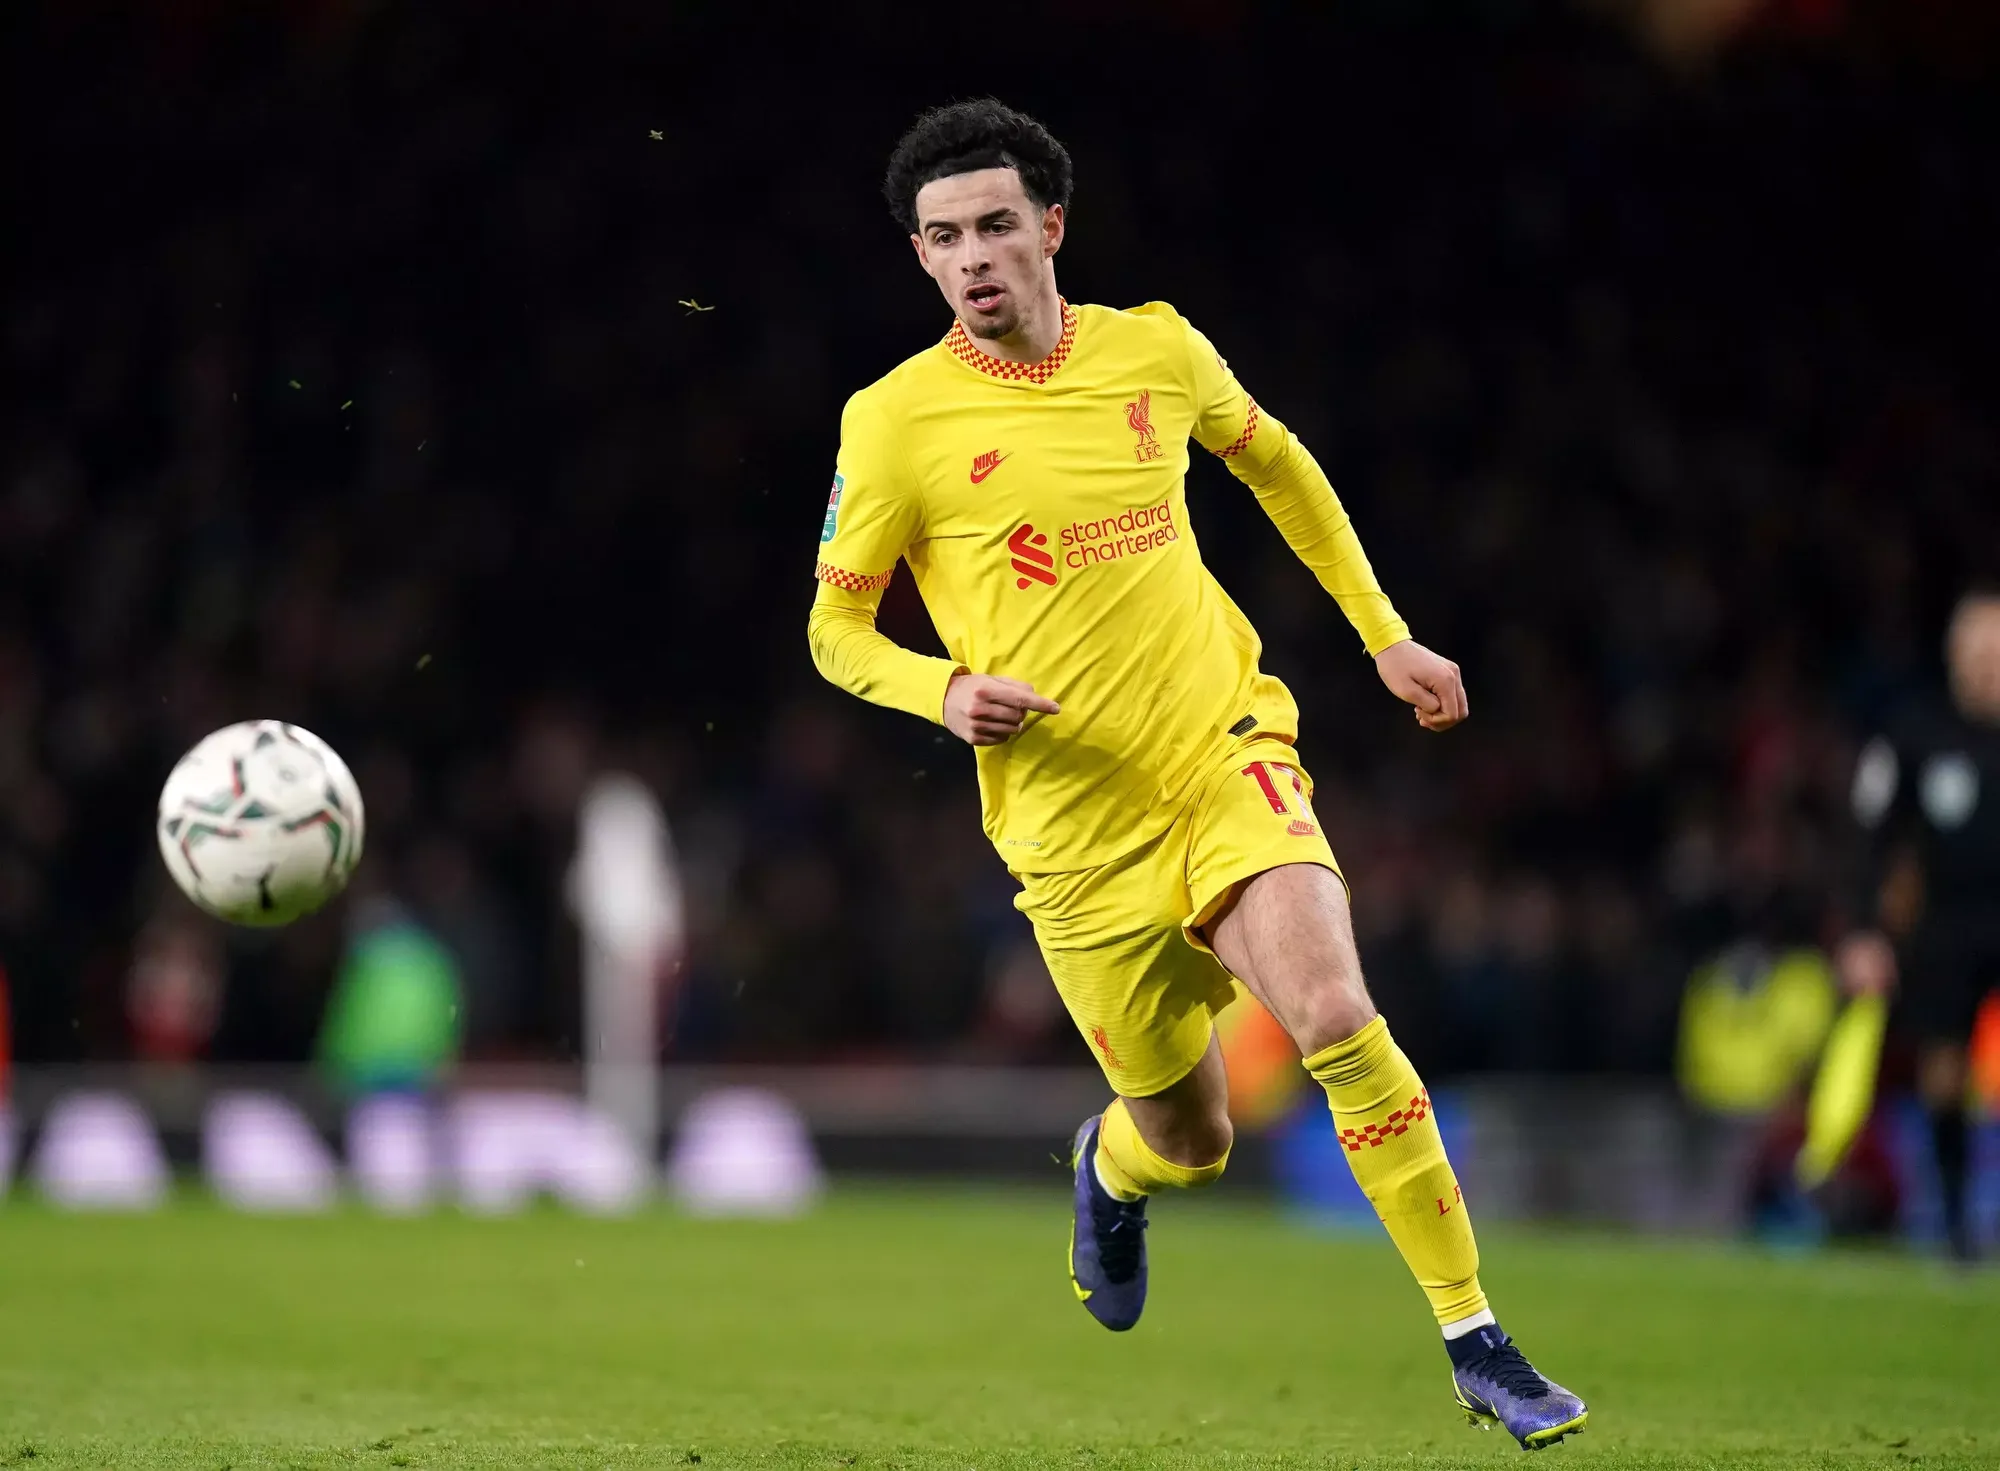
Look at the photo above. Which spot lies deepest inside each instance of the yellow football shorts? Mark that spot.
(1122, 940)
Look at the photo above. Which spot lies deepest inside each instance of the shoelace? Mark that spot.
(1121, 1235)
(1507, 1368)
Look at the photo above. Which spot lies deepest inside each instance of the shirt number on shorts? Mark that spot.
(1268, 775)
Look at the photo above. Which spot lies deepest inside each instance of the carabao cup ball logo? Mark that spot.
(832, 509)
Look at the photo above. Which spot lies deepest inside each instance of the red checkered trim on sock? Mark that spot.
(966, 351)
(1374, 1136)
(851, 581)
(1242, 440)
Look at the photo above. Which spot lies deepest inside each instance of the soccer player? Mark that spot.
(1137, 769)
(1927, 793)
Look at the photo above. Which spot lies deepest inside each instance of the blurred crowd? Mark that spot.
(462, 383)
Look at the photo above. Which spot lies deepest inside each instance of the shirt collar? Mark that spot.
(973, 356)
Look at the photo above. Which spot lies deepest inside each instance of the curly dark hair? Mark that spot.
(984, 133)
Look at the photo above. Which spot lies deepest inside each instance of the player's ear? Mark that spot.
(923, 255)
(1052, 229)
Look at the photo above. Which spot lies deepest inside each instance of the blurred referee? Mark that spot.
(1927, 794)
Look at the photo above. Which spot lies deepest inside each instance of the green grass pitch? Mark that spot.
(910, 1328)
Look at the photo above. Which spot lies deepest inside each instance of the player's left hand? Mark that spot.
(1429, 681)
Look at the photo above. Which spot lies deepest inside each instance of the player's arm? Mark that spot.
(1296, 494)
(873, 515)
(1864, 962)
(851, 652)
(980, 709)
(1884, 803)
(1888, 887)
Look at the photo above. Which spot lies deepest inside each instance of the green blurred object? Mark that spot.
(395, 1018)
(1752, 1023)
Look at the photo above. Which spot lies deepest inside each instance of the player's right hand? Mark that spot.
(986, 709)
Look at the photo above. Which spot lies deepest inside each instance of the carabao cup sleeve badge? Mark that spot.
(832, 509)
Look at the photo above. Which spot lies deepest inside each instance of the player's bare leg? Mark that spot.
(1286, 935)
(1188, 1123)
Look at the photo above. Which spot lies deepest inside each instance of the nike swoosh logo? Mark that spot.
(984, 470)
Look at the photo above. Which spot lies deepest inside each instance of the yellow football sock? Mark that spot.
(1128, 1167)
(1382, 1114)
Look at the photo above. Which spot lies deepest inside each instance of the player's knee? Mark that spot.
(1338, 1010)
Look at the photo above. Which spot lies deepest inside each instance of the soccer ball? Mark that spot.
(260, 823)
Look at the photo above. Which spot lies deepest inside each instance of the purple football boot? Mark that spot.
(1496, 1383)
(1107, 1243)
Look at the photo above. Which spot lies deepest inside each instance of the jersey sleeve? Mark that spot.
(1225, 421)
(872, 517)
(1293, 490)
(850, 651)
(874, 511)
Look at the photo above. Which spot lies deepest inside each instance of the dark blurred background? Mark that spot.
(462, 381)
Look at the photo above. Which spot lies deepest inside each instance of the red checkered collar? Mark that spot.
(968, 352)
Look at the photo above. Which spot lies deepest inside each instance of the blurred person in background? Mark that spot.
(1927, 794)
(1782, 1068)
(395, 1019)
(173, 993)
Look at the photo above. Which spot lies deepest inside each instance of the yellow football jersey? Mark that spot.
(1043, 511)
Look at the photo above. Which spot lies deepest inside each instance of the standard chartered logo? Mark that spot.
(1129, 534)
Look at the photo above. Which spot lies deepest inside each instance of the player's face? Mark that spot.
(989, 247)
(1974, 655)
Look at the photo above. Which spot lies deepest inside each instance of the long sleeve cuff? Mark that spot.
(850, 652)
